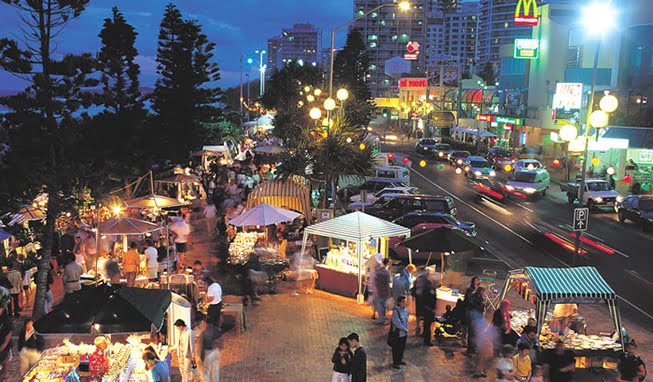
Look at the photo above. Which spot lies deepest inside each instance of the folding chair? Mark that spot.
(488, 281)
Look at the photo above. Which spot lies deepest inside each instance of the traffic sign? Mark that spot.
(581, 218)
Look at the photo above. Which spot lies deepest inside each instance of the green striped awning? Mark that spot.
(566, 283)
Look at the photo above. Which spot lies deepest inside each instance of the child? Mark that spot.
(538, 374)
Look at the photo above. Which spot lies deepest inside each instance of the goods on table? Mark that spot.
(582, 342)
(519, 319)
(345, 259)
(242, 246)
(55, 365)
(121, 365)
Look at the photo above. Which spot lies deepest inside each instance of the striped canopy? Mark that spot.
(287, 194)
(577, 282)
(357, 227)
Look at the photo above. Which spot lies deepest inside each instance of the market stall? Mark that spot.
(123, 319)
(558, 295)
(343, 271)
(287, 194)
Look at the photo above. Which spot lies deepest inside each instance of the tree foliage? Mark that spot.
(488, 74)
(184, 96)
(350, 70)
(44, 120)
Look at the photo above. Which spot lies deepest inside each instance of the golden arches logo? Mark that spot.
(526, 6)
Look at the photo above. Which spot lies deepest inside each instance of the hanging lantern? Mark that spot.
(595, 161)
(610, 170)
(556, 163)
(422, 163)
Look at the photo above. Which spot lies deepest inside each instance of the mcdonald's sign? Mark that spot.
(523, 15)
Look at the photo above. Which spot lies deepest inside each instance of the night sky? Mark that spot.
(236, 26)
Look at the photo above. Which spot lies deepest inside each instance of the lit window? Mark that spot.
(374, 15)
(372, 37)
(394, 38)
(372, 45)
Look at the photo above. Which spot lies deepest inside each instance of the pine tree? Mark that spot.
(350, 70)
(44, 120)
(184, 97)
(123, 114)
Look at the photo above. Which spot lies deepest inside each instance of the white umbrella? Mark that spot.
(263, 215)
(269, 149)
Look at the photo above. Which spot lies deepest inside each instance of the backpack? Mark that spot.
(629, 366)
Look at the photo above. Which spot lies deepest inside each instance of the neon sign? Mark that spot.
(526, 18)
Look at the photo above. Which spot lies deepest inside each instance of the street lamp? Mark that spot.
(261, 69)
(403, 6)
(329, 104)
(315, 113)
(342, 94)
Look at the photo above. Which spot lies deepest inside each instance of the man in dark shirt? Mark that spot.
(382, 281)
(562, 363)
(359, 360)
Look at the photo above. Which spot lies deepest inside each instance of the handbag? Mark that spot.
(392, 335)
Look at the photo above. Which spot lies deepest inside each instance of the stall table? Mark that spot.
(335, 281)
(445, 296)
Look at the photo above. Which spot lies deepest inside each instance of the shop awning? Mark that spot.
(357, 226)
(283, 194)
(4, 235)
(578, 282)
(638, 137)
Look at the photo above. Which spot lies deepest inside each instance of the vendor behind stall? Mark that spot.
(98, 361)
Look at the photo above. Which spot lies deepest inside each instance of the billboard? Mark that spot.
(527, 49)
(413, 83)
(523, 15)
(568, 96)
(412, 51)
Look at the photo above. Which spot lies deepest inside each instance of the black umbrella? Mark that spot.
(107, 309)
(442, 239)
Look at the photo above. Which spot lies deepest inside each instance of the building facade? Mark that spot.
(296, 44)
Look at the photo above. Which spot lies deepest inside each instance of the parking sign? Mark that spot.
(581, 218)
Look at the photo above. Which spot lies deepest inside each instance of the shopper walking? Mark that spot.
(214, 299)
(522, 362)
(400, 327)
(401, 283)
(151, 260)
(359, 359)
(131, 263)
(30, 346)
(71, 273)
(185, 350)
(157, 369)
(630, 366)
(342, 362)
(505, 365)
(382, 281)
(210, 214)
(466, 338)
(371, 266)
(16, 280)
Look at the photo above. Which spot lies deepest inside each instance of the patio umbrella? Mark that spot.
(445, 239)
(153, 201)
(107, 309)
(270, 150)
(263, 215)
(127, 226)
(179, 178)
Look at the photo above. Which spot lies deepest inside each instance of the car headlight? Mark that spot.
(477, 173)
(510, 188)
(459, 161)
(493, 173)
(530, 190)
(598, 199)
(620, 198)
(440, 154)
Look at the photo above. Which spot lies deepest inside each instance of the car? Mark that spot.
(412, 219)
(388, 190)
(397, 173)
(399, 252)
(425, 146)
(441, 151)
(380, 201)
(371, 186)
(402, 204)
(527, 164)
(638, 209)
(499, 157)
(529, 182)
(457, 157)
(477, 167)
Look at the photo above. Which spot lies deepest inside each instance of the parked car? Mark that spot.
(412, 219)
(399, 252)
(478, 168)
(441, 151)
(397, 173)
(371, 186)
(424, 146)
(457, 157)
(360, 205)
(499, 157)
(529, 182)
(638, 209)
(597, 194)
(371, 198)
(402, 204)
(527, 164)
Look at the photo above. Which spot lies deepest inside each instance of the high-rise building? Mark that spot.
(452, 36)
(497, 28)
(387, 32)
(296, 44)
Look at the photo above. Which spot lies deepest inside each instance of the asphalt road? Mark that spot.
(515, 231)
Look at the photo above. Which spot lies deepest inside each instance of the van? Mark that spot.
(529, 182)
(400, 205)
(397, 173)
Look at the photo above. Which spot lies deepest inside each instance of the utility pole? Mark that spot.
(240, 102)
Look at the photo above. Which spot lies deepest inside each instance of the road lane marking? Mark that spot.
(638, 276)
(474, 208)
(635, 307)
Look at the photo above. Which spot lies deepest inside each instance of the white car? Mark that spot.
(529, 182)
(388, 190)
(526, 164)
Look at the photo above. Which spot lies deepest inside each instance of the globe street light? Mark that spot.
(342, 94)
(568, 132)
(329, 104)
(315, 113)
(609, 103)
(403, 6)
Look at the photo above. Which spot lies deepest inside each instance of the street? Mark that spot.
(514, 230)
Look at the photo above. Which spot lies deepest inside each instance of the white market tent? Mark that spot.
(357, 227)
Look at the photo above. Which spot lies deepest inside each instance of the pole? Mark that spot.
(581, 190)
(262, 69)
(247, 76)
(240, 103)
